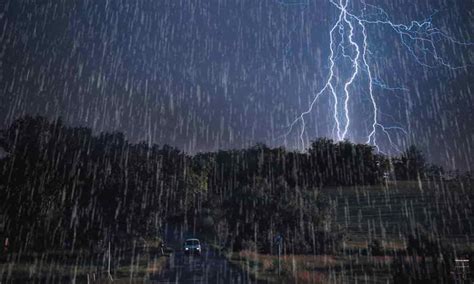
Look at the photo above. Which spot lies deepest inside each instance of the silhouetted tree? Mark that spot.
(410, 165)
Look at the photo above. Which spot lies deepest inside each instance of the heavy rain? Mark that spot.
(236, 141)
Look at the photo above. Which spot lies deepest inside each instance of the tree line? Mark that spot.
(63, 186)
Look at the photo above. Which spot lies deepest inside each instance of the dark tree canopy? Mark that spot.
(65, 185)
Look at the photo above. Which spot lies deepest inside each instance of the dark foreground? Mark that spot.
(210, 267)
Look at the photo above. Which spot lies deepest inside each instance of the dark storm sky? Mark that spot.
(204, 75)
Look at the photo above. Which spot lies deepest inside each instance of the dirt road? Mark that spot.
(210, 267)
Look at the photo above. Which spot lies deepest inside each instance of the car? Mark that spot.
(192, 246)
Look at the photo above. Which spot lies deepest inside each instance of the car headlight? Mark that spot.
(198, 248)
(186, 248)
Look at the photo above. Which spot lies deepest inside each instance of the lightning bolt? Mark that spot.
(419, 38)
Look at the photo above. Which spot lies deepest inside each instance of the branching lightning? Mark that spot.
(349, 38)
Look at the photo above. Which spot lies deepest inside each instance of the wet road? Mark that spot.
(210, 267)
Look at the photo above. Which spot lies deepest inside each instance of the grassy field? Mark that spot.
(137, 263)
(313, 268)
(389, 212)
(386, 213)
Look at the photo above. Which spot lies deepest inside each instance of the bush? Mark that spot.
(376, 247)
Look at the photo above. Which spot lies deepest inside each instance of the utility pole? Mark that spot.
(108, 266)
(279, 241)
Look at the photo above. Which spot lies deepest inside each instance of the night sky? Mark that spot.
(209, 75)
